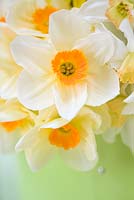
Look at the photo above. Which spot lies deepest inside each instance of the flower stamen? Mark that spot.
(70, 66)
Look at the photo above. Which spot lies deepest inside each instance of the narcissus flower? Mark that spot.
(15, 120)
(74, 140)
(69, 69)
(32, 16)
(9, 70)
(119, 10)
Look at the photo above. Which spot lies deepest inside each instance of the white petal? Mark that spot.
(65, 28)
(120, 50)
(56, 123)
(128, 109)
(87, 118)
(33, 54)
(8, 141)
(110, 134)
(93, 8)
(47, 115)
(130, 98)
(127, 134)
(9, 89)
(37, 148)
(102, 86)
(126, 28)
(84, 157)
(69, 99)
(35, 94)
(103, 112)
(20, 14)
(95, 46)
(11, 111)
(4, 6)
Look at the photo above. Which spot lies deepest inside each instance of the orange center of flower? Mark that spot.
(2, 19)
(41, 18)
(70, 66)
(11, 126)
(65, 137)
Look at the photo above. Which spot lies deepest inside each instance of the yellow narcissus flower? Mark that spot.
(70, 68)
(15, 120)
(32, 16)
(74, 140)
(119, 10)
(9, 70)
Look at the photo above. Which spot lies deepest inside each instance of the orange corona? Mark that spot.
(2, 19)
(11, 126)
(66, 137)
(41, 18)
(70, 66)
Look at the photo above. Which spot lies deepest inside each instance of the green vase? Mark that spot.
(112, 179)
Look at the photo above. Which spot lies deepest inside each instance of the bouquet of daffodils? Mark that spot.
(66, 75)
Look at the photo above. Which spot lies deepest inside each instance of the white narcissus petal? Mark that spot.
(65, 28)
(27, 138)
(9, 89)
(120, 50)
(128, 109)
(92, 8)
(20, 14)
(4, 6)
(56, 123)
(69, 99)
(127, 133)
(103, 112)
(37, 148)
(11, 111)
(9, 70)
(35, 93)
(47, 115)
(130, 98)
(95, 46)
(8, 141)
(126, 28)
(33, 54)
(102, 86)
(110, 134)
(87, 117)
(83, 157)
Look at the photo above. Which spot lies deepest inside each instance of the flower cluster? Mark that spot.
(66, 75)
